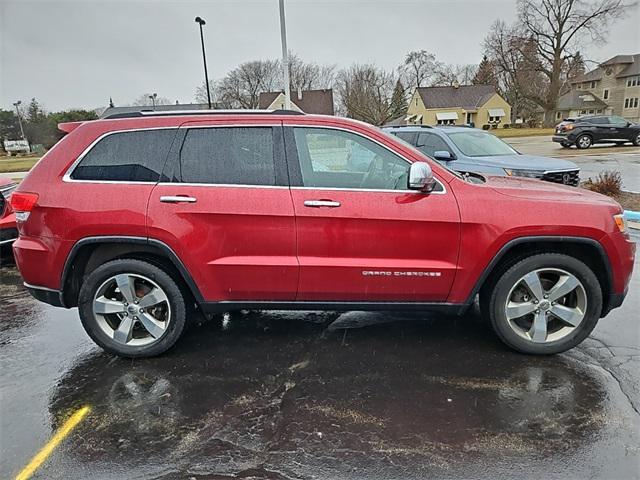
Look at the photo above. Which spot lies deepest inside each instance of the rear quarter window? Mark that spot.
(137, 156)
(228, 156)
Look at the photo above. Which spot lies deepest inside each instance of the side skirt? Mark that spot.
(227, 306)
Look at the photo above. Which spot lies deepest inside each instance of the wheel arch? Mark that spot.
(587, 250)
(88, 253)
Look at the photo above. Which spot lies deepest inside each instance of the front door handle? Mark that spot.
(321, 203)
(177, 199)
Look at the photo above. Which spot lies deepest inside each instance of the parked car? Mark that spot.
(585, 131)
(137, 220)
(8, 229)
(465, 149)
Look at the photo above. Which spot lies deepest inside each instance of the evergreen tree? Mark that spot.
(486, 74)
(398, 105)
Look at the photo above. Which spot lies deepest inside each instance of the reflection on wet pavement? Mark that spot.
(293, 395)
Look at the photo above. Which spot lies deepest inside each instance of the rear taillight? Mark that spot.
(22, 203)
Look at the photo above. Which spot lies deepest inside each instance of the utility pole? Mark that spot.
(285, 59)
(17, 104)
(201, 22)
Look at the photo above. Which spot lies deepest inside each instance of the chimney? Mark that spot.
(299, 93)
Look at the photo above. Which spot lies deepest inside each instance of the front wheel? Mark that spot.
(545, 304)
(132, 308)
(565, 144)
(636, 140)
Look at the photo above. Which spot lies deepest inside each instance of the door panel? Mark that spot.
(376, 246)
(370, 239)
(237, 241)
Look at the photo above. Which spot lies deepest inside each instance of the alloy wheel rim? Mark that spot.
(132, 310)
(585, 141)
(546, 305)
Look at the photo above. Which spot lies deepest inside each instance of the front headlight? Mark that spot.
(621, 222)
(524, 173)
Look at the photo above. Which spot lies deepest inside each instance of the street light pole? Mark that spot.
(17, 104)
(285, 59)
(201, 22)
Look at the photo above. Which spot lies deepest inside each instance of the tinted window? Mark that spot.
(599, 121)
(338, 159)
(127, 156)
(617, 121)
(428, 143)
(228, 156)
(406, 136)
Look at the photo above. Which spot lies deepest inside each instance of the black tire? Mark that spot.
(636, 140)
(565, 144)
(584, 141)
(498, 298)
(175, 297)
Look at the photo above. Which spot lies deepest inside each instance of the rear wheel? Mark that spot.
(545, 304)
(584, 141)
(132, 308)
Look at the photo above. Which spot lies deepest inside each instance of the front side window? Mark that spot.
(337, 159)
(428, 143)
(480, 144)
(618, 121)
(137, 156)
(228, 156)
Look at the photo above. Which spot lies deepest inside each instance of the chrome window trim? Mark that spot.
(331, 127)
(67, 175)
(227, 185)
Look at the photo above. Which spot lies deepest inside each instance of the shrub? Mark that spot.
(608, 183)
(486, 126)
(506, 125)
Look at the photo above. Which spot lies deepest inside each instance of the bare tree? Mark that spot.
(144, 100)
(309, 76)
(366, 92)
(241, 87)
(556, 27)
(450, 74)
(418, 69)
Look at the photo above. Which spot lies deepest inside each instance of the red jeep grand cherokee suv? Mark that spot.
(138, 220)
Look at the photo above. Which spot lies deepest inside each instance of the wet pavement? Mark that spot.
(286, 395)
(599, 158)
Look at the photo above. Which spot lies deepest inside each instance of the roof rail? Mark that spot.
(163, 113)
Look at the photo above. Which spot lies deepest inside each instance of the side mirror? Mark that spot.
(443, 155)
(421, 177)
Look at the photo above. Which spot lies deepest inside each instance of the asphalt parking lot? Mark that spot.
(319, 395)
(624, 159)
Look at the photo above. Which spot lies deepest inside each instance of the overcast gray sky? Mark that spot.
(77, 54)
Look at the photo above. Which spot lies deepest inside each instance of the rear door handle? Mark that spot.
(177, 199)
(321, 203)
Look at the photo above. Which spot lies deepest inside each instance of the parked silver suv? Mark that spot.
(467, 149)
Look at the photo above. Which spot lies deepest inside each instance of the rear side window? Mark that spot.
(127, 156)
(228, 156)
(600, 121)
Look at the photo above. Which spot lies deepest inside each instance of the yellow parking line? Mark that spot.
(60, 435)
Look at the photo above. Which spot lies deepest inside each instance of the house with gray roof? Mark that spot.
(307, 101)
(613, 88)
(476, 105)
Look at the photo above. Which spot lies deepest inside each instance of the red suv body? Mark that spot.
(227, 211)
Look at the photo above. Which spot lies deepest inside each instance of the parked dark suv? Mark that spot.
(585, 131)
(139, 220)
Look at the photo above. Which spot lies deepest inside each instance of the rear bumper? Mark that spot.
(46, 295)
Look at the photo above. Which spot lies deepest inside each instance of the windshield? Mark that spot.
(413, 147)
(480, 144)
